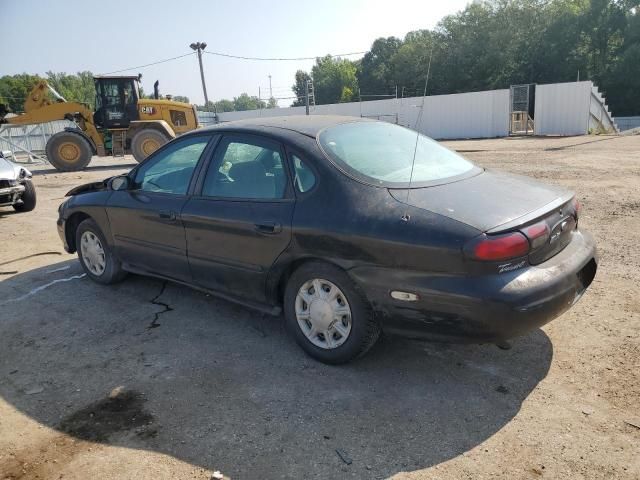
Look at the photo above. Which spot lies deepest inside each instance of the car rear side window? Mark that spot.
(249, 169)
(381, 153)
(304, 177)
(170, 170)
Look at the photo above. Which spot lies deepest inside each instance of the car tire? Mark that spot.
(96, 256)
(28, 198)
(145, 142)
(362, 329)
(68, 151)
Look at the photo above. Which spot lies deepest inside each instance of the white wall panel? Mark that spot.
(462, 115)
(562, 108)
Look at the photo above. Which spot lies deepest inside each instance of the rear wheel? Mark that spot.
(68, 151)
(28, 198)
(96, 257)
(145, 142)
(328, 315)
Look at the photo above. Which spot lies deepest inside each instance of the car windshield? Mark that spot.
(382, 153)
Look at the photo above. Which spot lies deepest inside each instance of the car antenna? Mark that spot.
(406, 217)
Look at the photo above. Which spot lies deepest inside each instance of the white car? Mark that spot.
(16, 187)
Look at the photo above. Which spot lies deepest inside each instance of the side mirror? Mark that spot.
(121, 182)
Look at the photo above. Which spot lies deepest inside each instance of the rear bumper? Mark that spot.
(484, 308)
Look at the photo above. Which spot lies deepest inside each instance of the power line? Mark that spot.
(240, 57)
(150, 64)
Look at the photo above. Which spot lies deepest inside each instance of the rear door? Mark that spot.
(240, 220)
(145, 220)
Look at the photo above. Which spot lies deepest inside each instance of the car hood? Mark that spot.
(88, 187)
(8, 170)
(488, 201)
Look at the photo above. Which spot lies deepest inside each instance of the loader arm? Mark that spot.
(39, 109)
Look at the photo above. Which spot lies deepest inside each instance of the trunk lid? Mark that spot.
(492, 201)
(497, 202)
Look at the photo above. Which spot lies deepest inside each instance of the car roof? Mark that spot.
(309, 125)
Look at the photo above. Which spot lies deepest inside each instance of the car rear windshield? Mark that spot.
(381, 153)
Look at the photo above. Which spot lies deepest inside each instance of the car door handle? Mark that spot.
(167, 215)
(268, 227)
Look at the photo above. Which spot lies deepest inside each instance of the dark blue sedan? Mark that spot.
(349, 226)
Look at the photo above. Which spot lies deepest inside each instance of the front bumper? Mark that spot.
(10, 195)
(487, 308)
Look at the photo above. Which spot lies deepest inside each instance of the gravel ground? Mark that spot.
(151, 380)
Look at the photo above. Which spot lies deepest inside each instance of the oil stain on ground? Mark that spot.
(120, 411)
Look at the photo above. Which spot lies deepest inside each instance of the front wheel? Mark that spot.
(328, 315)
(28, 198)
(68, 151)
(96, 257)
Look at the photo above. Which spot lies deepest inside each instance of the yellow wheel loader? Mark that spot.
(122, 123)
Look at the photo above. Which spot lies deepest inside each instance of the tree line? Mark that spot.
(80, 88)
(490, 44)
(494, 44)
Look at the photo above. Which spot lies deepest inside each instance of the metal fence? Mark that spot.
(627, 123)
(20, 140)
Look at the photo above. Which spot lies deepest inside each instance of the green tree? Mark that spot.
(299, 88)
(246, 102)
(225, 105)
(180, 98)
(334, 80)
(272, 103)
(376, 73)
(74, 88)
(15, 88)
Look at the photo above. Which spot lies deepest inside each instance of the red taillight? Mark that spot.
(538, 234)
(498, 247)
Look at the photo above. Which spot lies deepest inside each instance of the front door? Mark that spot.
(240, 222)
(145, 220)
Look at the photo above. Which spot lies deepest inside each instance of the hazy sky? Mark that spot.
(102, 36)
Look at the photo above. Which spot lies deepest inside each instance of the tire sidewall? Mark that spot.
(136, 143)
(28, 198)
(112, 269)
(85, 148)
(361, 313)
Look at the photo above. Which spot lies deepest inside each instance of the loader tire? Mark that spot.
(68, 151)
(145, 142)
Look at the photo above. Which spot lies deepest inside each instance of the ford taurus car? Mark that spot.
(16, 187)
(348, 226)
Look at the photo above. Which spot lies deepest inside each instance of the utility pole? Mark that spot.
(270, 90)
(198, 47)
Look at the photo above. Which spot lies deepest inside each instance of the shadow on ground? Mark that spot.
(223, 388)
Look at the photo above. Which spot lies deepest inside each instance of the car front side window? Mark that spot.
(170, 170)
(249, 169)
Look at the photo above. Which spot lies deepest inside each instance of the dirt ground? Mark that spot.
(150, 380)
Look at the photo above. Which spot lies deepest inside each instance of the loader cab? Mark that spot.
(116, 101)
